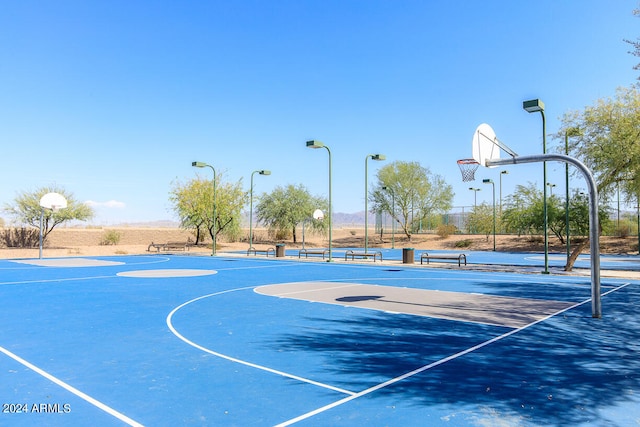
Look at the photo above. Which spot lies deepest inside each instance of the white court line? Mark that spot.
(432, 365)
(72, 389)
(72, 279)
(235, 360)
(310, 290)
(259, 267)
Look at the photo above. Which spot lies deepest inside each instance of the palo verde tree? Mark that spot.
(26, 210)
(286, 207)
(415, 192)
(480, 220)
(635, 44)
(523, 213)
(193, 203)
(606, 137)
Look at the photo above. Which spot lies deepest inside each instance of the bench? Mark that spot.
(308, 252)
(444, 257)
(261, 251)
(184, 246)
(354, 255)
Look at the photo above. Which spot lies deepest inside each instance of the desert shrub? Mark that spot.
(20, 237)
(110, 237)
(445, 230)
(463, 243)
(281, 234)
(535, 239)
(625, 228)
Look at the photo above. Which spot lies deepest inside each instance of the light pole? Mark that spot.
(550, 185)
(475, 196)
(475, 202)
(534, 106)
(205, 165)
(393, 216)
(573, 131)
(504, 172)
(489, 181)
(378, 157)
(318, 144)
(261, 172)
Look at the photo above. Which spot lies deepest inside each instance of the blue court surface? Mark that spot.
(248, 341)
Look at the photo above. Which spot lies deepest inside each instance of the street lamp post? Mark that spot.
(205, 165)
(378, 157)
(534, 106)
(393, 216)
(490, 181)
(573, 131)
(475, 202)
(475, 196)
(261, 172)
(504, 172)
(318, 144)
(550, 185)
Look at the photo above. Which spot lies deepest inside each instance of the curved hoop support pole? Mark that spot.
(594, 224)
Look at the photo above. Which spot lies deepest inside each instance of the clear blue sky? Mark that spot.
(113, 100)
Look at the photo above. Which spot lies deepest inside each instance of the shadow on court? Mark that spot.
(570, 370)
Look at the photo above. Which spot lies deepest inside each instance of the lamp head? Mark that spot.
(504, 172)
(378, 157)
(264, 172)
(314, 144)
(533, 105)
(487, 181)
(198, 164)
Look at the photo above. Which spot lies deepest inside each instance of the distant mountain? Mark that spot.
(351, 219)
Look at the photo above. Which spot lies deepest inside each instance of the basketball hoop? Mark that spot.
(468, 168)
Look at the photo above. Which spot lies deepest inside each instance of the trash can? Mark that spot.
(408, 255)
(280, 250)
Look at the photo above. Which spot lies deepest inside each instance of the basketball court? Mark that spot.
(238, 341)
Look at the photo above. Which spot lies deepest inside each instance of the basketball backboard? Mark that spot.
(485, 145)
(53, 201)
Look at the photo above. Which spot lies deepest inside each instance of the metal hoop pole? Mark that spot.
(594, 224)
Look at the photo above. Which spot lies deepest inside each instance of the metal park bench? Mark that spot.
(445, 257)
(262, 251)
(354, 255)
(307, 252)
(169, 246)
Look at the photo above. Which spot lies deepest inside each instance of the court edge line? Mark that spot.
(434, 364)
(72, 279)
(72, 389)
(240, 361)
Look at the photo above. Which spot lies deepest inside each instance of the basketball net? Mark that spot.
(468, 169)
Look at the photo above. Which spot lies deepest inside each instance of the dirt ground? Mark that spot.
(87, 242)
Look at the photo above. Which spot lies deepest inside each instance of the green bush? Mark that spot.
(463, 243)
(110, 237)
(445, 230)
